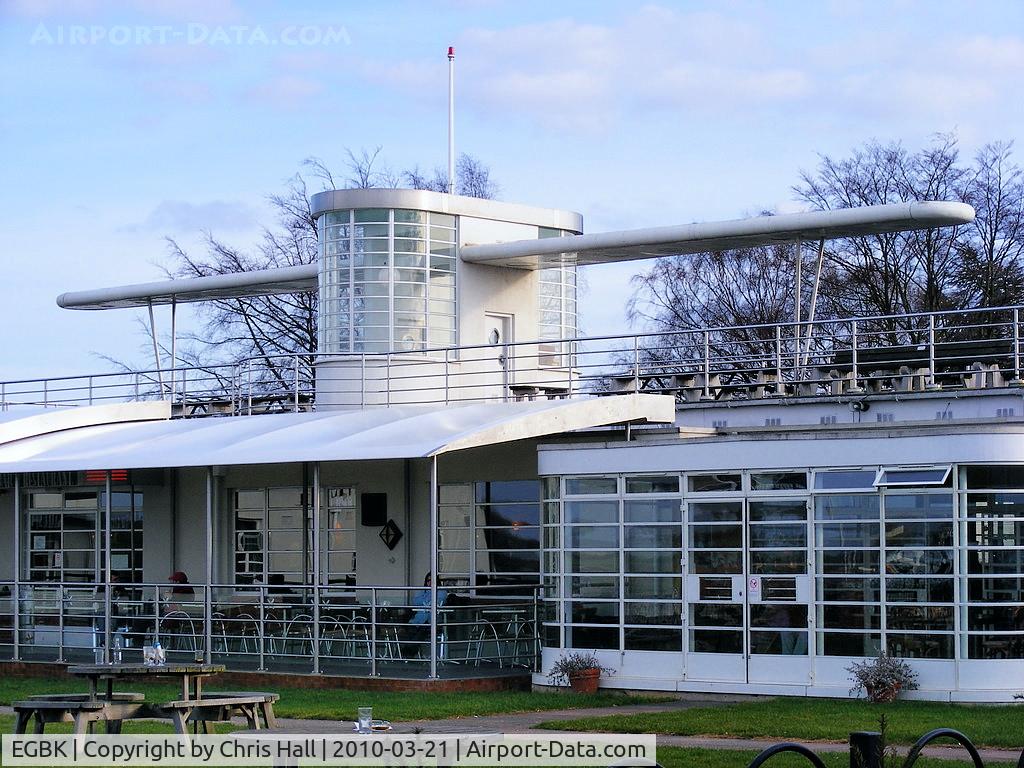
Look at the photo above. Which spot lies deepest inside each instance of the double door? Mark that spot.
(747, 592)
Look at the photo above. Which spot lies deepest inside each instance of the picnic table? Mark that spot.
(103, 704)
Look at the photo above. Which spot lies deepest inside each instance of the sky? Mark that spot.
(124, 122)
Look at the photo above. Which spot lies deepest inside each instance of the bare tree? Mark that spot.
(270, 330)
(265, 329)
(970, 266)
(992, 248)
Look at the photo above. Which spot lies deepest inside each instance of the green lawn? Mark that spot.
(801, 719)
(317, 704)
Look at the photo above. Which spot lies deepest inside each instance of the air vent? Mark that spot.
(1005, 412)
(885, 417)
(719, 423)
(828, 419)
(945, 415)
(773, 421)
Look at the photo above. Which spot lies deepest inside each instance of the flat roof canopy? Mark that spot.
(264, 282)
(630, 244)
(596, 248)
(404, 432)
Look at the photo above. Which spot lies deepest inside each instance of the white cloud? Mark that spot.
(177, 216)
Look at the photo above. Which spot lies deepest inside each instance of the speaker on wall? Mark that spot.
(373, 509)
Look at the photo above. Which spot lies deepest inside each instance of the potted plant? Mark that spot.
(883, 678)
(580, 669)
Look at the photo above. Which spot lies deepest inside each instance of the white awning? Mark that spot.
(264, 282)
(630, 244)
(378, 433)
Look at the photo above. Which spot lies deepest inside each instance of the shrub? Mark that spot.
(572, 663)
(882, 678)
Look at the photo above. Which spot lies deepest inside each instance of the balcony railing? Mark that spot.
(303, 629)
(962, 349)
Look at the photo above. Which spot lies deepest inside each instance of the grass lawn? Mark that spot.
(339, 704)
(801, 719)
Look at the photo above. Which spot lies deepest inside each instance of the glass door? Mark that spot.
(778, 590)
(716, 591)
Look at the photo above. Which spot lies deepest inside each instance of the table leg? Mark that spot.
(199, 687)
(22, 723)
(186, 688)
(92, 686)
(180, 718)
(110, 689)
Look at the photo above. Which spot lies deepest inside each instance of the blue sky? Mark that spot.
(123, 122)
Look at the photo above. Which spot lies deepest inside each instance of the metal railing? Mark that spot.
(302, 628)
(961, 349)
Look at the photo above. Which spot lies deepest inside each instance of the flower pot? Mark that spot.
(585, 681)
(883, 694)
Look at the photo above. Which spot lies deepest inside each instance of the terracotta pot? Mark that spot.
(884, 694)
(585, 681)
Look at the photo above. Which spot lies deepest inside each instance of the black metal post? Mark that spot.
(867, 749)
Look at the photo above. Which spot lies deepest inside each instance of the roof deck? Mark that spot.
(846, 358)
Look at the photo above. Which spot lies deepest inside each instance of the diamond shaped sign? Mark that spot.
(390, 534)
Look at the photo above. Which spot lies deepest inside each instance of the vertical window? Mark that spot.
(556, 300)
(992, 585)
(387, 280)
(489, 533)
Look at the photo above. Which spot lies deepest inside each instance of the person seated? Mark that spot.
(419, 624)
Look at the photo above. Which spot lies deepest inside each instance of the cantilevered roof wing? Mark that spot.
(402, 432)
(627, 245)
(264, 282)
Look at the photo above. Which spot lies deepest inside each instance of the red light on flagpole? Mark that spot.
(451, 51)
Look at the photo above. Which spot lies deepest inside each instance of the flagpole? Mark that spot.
(451, 120)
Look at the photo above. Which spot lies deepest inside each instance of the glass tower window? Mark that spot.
(556, 285)
(387, 280)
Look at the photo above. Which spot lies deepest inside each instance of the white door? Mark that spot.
(498, 332)
(715, 592)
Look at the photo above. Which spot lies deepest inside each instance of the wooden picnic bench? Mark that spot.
(81, 709)
(221, 706)
(84, 711)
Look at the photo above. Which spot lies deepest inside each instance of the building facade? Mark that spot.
(705, 510)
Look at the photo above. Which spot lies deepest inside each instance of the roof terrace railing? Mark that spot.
(960, 349)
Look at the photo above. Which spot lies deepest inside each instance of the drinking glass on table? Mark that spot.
(365, 723)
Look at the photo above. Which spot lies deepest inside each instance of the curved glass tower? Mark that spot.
(387, 280)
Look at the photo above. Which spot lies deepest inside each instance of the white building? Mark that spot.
(723, 509)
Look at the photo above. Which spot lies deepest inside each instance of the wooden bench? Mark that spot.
(221, 706)
(79, 709)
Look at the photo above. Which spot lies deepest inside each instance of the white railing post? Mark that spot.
(316, 627)
(60, 623)
(362, 379)
(249, 387)
(373, 632)
(931, 353)
(296, 409)
(447, 374)
(387, 379)
(90, 390)
(854, 365)
(778, 360)
(706, 394)
(263, 629)
(636, 363)
(184, 390)
(1016, 345)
